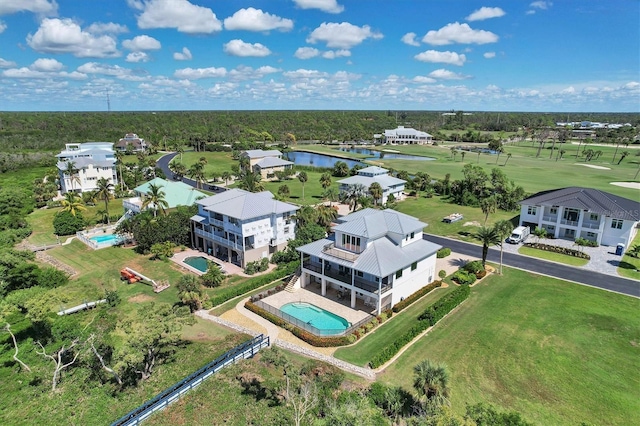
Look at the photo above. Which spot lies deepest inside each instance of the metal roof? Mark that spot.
(385, 181)
(372, 223)
(272, 162)
(260, 153)
(244, 205)
(81, 163)
(589, 199)
(175, 193)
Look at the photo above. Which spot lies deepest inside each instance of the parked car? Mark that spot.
(518, 235)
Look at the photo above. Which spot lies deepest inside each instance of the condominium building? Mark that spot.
(81, 165)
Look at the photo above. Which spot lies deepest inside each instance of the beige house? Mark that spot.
(266, 163)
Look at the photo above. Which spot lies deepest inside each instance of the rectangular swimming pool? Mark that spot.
(327, 323)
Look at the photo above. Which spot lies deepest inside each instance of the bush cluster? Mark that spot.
(464, 277)
(474, 267)
(427, 319)
(561, 250)
(257, 266)
(415, 296)
(443, 252)
(252, 284)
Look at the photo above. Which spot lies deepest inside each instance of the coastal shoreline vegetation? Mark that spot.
(532, 159)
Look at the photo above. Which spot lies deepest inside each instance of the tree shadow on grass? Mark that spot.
(622, 264)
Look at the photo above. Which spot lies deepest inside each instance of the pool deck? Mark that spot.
(330, 303)
(227, 267)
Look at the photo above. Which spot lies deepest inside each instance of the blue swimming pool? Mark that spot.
(198, 262)
(106, 239)
(326, 322)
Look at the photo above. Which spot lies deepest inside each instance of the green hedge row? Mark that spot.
(427, 319)
(442, 307)
(557, 249)
(239, 290)
(300, 333)
(415, 296)
(443, 252)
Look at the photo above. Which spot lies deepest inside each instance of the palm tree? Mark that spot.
(623, 154)
(353, 193)
(332, 195)
(196, 172)
(155, 198)
(72, 171)
(302, 177)
(119, 157)
(283, 191)
(539, 233)
(503, 228)
(103, 193)
(488, 206)
(562, 152)
(179, 169)
(340, 169)
(251, 182)
(72, 203)
(226, 176)
(431, 381)
(508, 156)
(454, 151)
(488, 237)
(325, 180)
(326, 215)
(462, 154)
(499, 150)
(214, 275)
(180, 150)
(376, 192)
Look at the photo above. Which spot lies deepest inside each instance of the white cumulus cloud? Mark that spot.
(46, 65)
(65, 36)
(459, 33)
(303, 74)
(343, 35)
(6, 64)
(35, 6)
(489, 55)
(138, 57)
(104, 69)
(332, 54)
(238, 47)
(198, 73)
(179, 14)
(185, 55)
(306, 52)
(3, 27)
(486, 13)
(422, 79)
(436, 56)
(329, 6)
(141, 42)
(538, 5)
(410, 39)
(251, 19)
(442, 74)
(107, 28)
(248, 73)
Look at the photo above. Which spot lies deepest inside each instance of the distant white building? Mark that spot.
(368, 175)
(378, 256)
(406, 136)
(91, 161)
(241, 226)
(136, 143)
(266, 163)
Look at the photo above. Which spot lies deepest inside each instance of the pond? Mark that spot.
(300, 158)
(374, 154)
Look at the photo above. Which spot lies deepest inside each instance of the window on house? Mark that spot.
(553, 210)
(414, 266)
(616, 223)
(593, 217)
(360, 274)
(286, 229)
(591, 234)
(399, 273)
(531, 210)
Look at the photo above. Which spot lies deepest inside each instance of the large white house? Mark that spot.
(91, 161)
(367, 176)
(378, 256)
(575, 212)
(241, 226)
(406, 136)
(266, 163)
(132, 142)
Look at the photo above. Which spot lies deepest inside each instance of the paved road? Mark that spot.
(163, 164)
(569, 273)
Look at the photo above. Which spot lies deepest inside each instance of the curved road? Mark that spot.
(163, 164)
(581, 276)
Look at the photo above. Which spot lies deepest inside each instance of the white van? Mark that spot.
(518, 235)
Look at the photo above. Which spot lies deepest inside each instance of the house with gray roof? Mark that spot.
(241, 227)
(131, 142)
(91, 161)
(368, 175)
(266, 163)
(575, 212)
(378, 256)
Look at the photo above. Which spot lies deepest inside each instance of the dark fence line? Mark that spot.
(175, 392)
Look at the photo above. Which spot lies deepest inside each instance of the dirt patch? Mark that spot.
(593, 166)
(632, 185)
(474, 223)
(141, 298)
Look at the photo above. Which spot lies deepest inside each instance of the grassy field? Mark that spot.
(362, 352)
(554, 257)
(630, 266)
(557, 352)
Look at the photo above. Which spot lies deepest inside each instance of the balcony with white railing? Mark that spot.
(332, 250)
(134, 204)
(591, 224)
(553, 218)
(569, 222)
(219, 239)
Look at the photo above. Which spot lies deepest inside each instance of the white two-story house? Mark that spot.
(90, 161)
(406, 136)
(266, 163)
(378, 256)
(575, 212)
(240, 226)
(368, 175)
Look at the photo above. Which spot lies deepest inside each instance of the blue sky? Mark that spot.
(562, 55)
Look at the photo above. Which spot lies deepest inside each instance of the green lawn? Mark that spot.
(554, 257)
(630, 266)
(559, 353)
(362, 352)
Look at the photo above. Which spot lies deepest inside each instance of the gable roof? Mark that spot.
(590, 199)
(260, 153)
(267, 162)
(244, 205)
(175, 193)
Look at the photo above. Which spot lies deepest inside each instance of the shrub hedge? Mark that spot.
(443, 252)
(231, 292)
(415, 296)
(556, 249)
(463, 277)
(427, 319)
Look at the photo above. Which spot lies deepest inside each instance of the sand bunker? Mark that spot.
(593, 167)
(632, 185)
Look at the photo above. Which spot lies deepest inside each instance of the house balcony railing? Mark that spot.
(133, 204)
(591, 225)
(550, 218)
(346, 277)
(331, 250)
(569, 222)
(219, 239)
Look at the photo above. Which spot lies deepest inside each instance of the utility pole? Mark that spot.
(108, 102)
